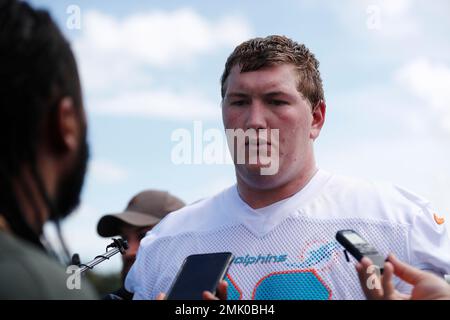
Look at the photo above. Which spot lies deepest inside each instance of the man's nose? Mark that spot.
(256, 116)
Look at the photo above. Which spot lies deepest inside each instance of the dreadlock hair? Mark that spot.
(37, 69)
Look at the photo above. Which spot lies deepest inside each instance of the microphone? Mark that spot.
(118, 245)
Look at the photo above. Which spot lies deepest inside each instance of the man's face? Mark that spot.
(269, 99)
(134, 236)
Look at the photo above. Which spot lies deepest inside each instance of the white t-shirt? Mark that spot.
(288, 250)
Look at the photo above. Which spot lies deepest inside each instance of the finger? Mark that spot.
(161, 296)
(389, 291)
(404, 271)
(209, 296)
(362, 279)
(222, 290)
(369, 280)
(403, 296)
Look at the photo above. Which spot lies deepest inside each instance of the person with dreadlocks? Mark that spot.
(43, 153)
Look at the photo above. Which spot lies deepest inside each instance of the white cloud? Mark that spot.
(160, 104)
(416, 100)
(104, 171)
(430, 82)
(397, 19)
(380, 20)
(114, 51)
(373, 107)
(397, 7)
(160, 38)
(117, 58)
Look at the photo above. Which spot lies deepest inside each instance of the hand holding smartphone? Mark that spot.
(359, 247)
(199, 273)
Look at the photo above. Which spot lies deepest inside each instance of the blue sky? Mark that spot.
(151, 67)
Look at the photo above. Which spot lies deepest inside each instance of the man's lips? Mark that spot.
(257, 143)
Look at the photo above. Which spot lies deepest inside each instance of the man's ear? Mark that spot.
(65, 126)
(318, 119)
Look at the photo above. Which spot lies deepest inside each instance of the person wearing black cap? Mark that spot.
(142, 213)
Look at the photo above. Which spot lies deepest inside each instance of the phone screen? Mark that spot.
(355, 238)
(199, 272)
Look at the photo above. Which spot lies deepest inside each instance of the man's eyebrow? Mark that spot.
(236, 95)
(277, 93)
(268, 94)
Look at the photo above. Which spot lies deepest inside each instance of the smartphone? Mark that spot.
(198, 273)
(359, 247)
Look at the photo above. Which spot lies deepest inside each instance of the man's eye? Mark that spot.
(277, 102)
(238, 103)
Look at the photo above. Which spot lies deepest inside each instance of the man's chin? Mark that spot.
(253, 175)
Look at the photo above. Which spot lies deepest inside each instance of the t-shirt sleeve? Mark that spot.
(142, 275)
(430, 242)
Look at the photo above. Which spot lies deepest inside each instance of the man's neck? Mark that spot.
(260, 198)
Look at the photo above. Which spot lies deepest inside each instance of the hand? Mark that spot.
(426, 286)
(161, 296)
(222, 289)
(221, 293)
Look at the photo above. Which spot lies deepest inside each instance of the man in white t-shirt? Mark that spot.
(281, 226)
